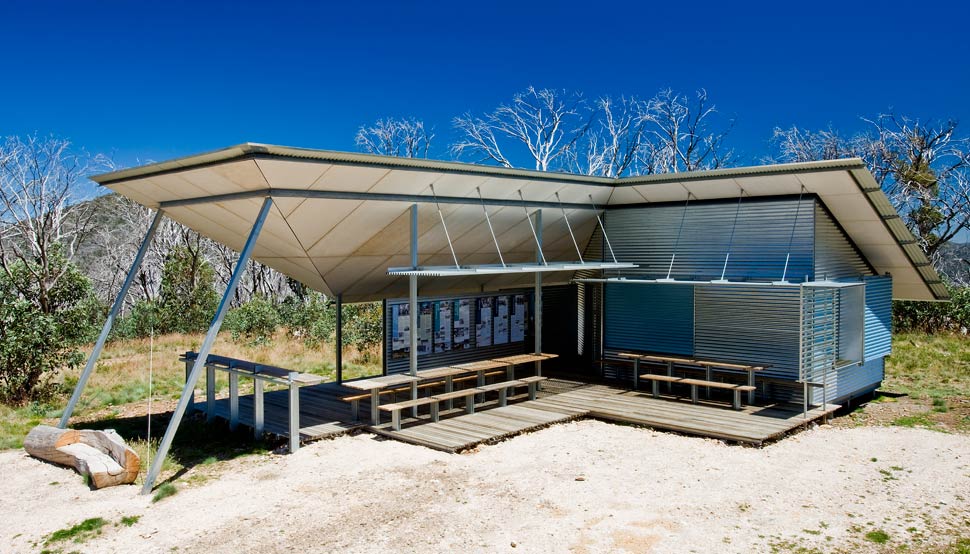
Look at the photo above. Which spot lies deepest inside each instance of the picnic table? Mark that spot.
(446, 373)
(374, 385)
(708, 365)
(512, 361)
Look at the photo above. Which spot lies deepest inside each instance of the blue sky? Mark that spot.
(155, 80)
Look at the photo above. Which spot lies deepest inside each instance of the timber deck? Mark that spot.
(324, 415)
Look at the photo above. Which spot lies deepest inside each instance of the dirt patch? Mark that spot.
(949, 415)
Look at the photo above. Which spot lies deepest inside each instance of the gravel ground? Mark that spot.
(582, 487)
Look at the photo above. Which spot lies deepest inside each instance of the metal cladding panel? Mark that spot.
(835, 257)
(474, 353)
(852, 381)
(756, 325)
(879, 317)
(758, 243)
(650, 318)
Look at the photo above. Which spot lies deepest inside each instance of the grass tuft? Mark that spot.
(128, 521)
(164, 491)
(80, 532)
(878, 536)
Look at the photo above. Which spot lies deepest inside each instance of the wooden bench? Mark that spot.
(694, 383)
(468, 394)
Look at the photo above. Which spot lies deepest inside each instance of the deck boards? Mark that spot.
(323, 414)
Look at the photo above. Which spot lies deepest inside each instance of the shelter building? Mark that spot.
(791, 268)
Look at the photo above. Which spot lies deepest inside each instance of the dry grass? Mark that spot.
(119, 386)
(122, 373)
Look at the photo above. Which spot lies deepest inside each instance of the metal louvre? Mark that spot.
(879, 317)
(819, 341)
(647, 235)
(474, 353)
(835, 257)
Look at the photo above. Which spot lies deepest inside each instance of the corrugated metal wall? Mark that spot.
(438, 359)
(835, 257)
(855, 380)
(879, 317)
(647, 235)
(755, 324)
(651, 318)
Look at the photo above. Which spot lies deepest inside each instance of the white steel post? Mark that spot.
(210, 339)
(115, 308)
(413, 306)
(537, 302)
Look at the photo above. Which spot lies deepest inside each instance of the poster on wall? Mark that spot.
(501, 327)
(463, 324)
(443, 325)
(425, 326)
(400, 331)
(483, 316)
(519, 309)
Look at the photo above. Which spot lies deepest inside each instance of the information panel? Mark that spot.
(483, 318)
(520, 306)
(443, 325)
(400, 331)
(463, 324)
(501, 325)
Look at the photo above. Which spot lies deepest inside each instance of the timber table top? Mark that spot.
(481, 365)
(380, 382)
(525, 358)
(439, 372)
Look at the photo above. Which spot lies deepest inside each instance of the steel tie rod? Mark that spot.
(542, 257)
(602, 228)
(441, 216)
(570, 229)
(490, 229)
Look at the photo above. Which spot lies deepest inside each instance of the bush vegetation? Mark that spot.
(37, 339)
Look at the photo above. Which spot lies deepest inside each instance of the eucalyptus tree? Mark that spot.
(922, 166)
(405, 137)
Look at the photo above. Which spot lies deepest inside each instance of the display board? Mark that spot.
(400, 331)
(500, 327)
(483, 317)
(443, 327)
(463, 324)
(520, 307)
(451, 324)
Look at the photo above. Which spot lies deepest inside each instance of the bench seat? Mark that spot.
(694, 383)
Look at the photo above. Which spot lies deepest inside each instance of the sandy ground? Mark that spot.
(583, 487)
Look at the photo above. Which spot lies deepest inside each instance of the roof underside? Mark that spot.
(340, 220)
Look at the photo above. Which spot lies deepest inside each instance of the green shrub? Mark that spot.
(188, 296)
(37, 341)
(363, 325)
(934, 316)
(310, 315)
(256, 319)
(141, 321)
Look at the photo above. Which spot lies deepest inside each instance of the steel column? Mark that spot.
(340, 338)
(109, 323)
(537, 301)
(413, 307)
(210, 339)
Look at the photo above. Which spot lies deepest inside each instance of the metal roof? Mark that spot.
(340, 218)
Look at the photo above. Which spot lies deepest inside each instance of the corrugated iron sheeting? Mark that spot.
(756, 325)
(835, 257)
(647, 235)
(879, 317)
(650, 318)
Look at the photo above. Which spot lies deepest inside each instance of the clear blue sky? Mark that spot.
(155, 80)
